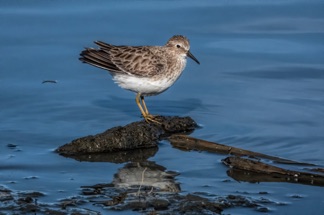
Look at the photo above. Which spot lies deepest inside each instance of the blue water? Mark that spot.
(260, 86)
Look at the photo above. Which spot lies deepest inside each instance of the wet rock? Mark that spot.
(25, 200)
(5, 194)
(194, 204)
(12, 146)
(137, 205)
(136, 135)
(159, 204)
(31, 194)
(262, 209)
(111, 198)
(238, 200)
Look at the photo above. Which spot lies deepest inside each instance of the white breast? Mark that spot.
(145, 86)
(150, 86)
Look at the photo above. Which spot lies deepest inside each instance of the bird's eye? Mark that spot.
(178, 46)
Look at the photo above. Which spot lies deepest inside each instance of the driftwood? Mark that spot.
(243, 169)
(252, 170)
(190, 143)
(137, 135)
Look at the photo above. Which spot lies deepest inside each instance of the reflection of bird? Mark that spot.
(146, 174)
(146, 70)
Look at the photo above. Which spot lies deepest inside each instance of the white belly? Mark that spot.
(154, 85)
(142, 85)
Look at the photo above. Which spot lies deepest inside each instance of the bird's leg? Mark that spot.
(138, 102)
(142, 106)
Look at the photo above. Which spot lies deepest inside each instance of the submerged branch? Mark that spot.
(243, 169)
(191, 143)
(251, 170)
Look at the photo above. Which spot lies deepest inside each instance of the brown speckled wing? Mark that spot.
(98, 58)
(135, 60)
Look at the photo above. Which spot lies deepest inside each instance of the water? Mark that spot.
(259, 87)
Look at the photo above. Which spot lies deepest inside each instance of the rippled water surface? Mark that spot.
(260, 86)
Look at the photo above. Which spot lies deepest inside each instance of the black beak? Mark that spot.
(192, 57)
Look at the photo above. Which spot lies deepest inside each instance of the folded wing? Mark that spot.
(133, 60)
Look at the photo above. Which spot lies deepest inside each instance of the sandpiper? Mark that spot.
(145, 70)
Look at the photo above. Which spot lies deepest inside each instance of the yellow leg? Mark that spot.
(142, 106)
(137, 99)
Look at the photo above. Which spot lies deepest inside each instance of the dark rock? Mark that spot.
(136, 135)
(159, 204)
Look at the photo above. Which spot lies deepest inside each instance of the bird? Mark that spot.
(145, 70)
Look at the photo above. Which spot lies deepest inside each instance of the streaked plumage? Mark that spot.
(146, 70)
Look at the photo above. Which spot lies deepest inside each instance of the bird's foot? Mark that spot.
(149, 118)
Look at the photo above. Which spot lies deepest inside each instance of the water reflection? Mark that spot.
(134, 155)
(254, 177)
(146, 176)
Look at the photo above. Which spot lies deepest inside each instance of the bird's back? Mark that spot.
(142, 61)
